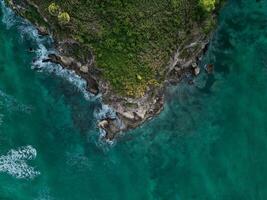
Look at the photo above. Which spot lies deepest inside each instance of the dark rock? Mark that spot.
(110, 126)
(92, 85)
(42, 31)
(31, 49)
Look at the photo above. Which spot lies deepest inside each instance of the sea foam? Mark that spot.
(9, 17)
(104, 111)
(14, 163)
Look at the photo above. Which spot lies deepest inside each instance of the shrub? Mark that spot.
(208, 5)
(54, 9)
(63, 18)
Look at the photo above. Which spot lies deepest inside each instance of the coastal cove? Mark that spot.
(209, 142)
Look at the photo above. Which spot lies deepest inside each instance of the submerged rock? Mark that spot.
(209, 68)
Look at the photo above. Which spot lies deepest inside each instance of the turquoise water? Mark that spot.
(209, 143)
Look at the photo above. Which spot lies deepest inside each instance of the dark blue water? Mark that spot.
(210, 142)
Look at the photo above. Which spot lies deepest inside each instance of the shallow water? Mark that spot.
(210, 142)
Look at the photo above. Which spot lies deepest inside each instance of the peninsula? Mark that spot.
(127, 50)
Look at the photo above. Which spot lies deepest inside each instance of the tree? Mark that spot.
(208, 5)
(63, 18)
(54, 9)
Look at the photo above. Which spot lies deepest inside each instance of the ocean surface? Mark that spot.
(209, 143)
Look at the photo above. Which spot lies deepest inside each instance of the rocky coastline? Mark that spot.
(130, 112)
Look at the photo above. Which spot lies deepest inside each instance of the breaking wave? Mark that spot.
(9, 18)
(44, 48)
(104, 112)
(14, 163)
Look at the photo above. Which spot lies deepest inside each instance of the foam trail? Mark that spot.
(1, 119)
(14, 163)
(44, 194)
(12, 104)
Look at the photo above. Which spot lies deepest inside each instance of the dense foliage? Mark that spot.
(131, 39)
(54, 9)
(209, 5)
(63, 18)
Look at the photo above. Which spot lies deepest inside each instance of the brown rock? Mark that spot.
(103, 124)
(209, 68)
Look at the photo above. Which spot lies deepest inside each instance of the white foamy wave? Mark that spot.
(9, 18)
(68, 75)
(107, 112)
(29, 32)
(14, 163)
(104, 112)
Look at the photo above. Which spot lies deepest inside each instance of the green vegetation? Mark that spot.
(63, 18)
(54, 9)
(131, 39)
(208, 5)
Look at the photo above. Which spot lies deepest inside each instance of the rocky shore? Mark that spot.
(130, 112)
